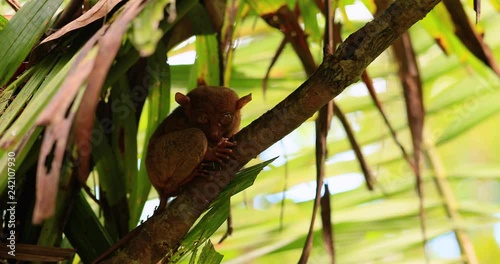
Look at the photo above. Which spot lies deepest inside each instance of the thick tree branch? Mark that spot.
(163, 233)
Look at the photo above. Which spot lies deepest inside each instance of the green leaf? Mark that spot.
(19, 137)
(194, 253)
(83, 220)
(459, 91)
(309, 12)
(265, 6)
(111, 179)
(145, 31)
(39, 73)
(479, 207)
(496, 4)
(243, 179)
(124, 131)
(21, 33)
(392, 208)
(6, 95)
(206, 66)
(219, 211)
(3, 22)
(41, 98)
(366, 250)
(482, 172)
(472, 113)
(209, 255)
(183, 9)
(156, 108)
(21, 150)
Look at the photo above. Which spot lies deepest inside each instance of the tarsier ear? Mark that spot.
(182, 100)
(201, 82)
(243, 101)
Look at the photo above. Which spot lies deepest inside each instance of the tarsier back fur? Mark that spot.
(195, 132)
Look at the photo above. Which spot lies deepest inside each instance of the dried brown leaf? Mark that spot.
(108, 48)
(58, 125)
(285, 20)
(273, 61)
(57, 132)
(98, 11)
(477, 8)
(412, 91)
(467, 34)
(355, 147)
(326, 219)
(371, 89)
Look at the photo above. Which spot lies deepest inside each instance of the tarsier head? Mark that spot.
(214, 110)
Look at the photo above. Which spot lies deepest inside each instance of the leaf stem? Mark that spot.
(451, 205)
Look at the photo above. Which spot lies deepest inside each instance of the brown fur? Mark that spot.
(181, 142)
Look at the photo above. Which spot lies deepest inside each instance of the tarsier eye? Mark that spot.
(226, 119)
(202, 119)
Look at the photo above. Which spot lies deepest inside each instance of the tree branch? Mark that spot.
(163, 233)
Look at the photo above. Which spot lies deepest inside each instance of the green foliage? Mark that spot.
(18, 37)
(83, 220)
(218, 212)
(145, 34)
(3, 22)
(206, 60)
(209, 255)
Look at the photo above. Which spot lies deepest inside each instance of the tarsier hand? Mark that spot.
(214, 158)
(221, 152)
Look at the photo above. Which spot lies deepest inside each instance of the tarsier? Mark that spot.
(195, 133)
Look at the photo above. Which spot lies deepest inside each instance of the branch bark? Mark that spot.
(164, 232)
